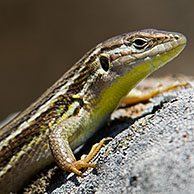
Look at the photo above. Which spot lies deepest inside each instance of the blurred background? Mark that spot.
(41, 39)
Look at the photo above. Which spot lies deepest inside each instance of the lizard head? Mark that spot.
(122, 61)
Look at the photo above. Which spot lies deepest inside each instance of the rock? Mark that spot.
(151, 151)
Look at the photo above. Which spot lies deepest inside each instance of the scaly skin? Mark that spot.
(78, 104)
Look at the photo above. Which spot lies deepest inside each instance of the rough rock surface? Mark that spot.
(151, 152)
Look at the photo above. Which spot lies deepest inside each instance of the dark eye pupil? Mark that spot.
(104, 63)
(139, 43)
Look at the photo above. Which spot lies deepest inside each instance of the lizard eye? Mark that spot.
(140, 43)
(104, 62)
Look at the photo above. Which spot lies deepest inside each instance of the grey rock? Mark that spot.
(153, 153)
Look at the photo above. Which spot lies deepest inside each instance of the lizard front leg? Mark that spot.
(60, 146)
(136, 95)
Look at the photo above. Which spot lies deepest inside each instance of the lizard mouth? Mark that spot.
(172, 50)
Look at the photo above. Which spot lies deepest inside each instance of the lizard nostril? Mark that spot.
(176, 37)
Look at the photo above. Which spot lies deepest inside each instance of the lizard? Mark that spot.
(79, 103)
